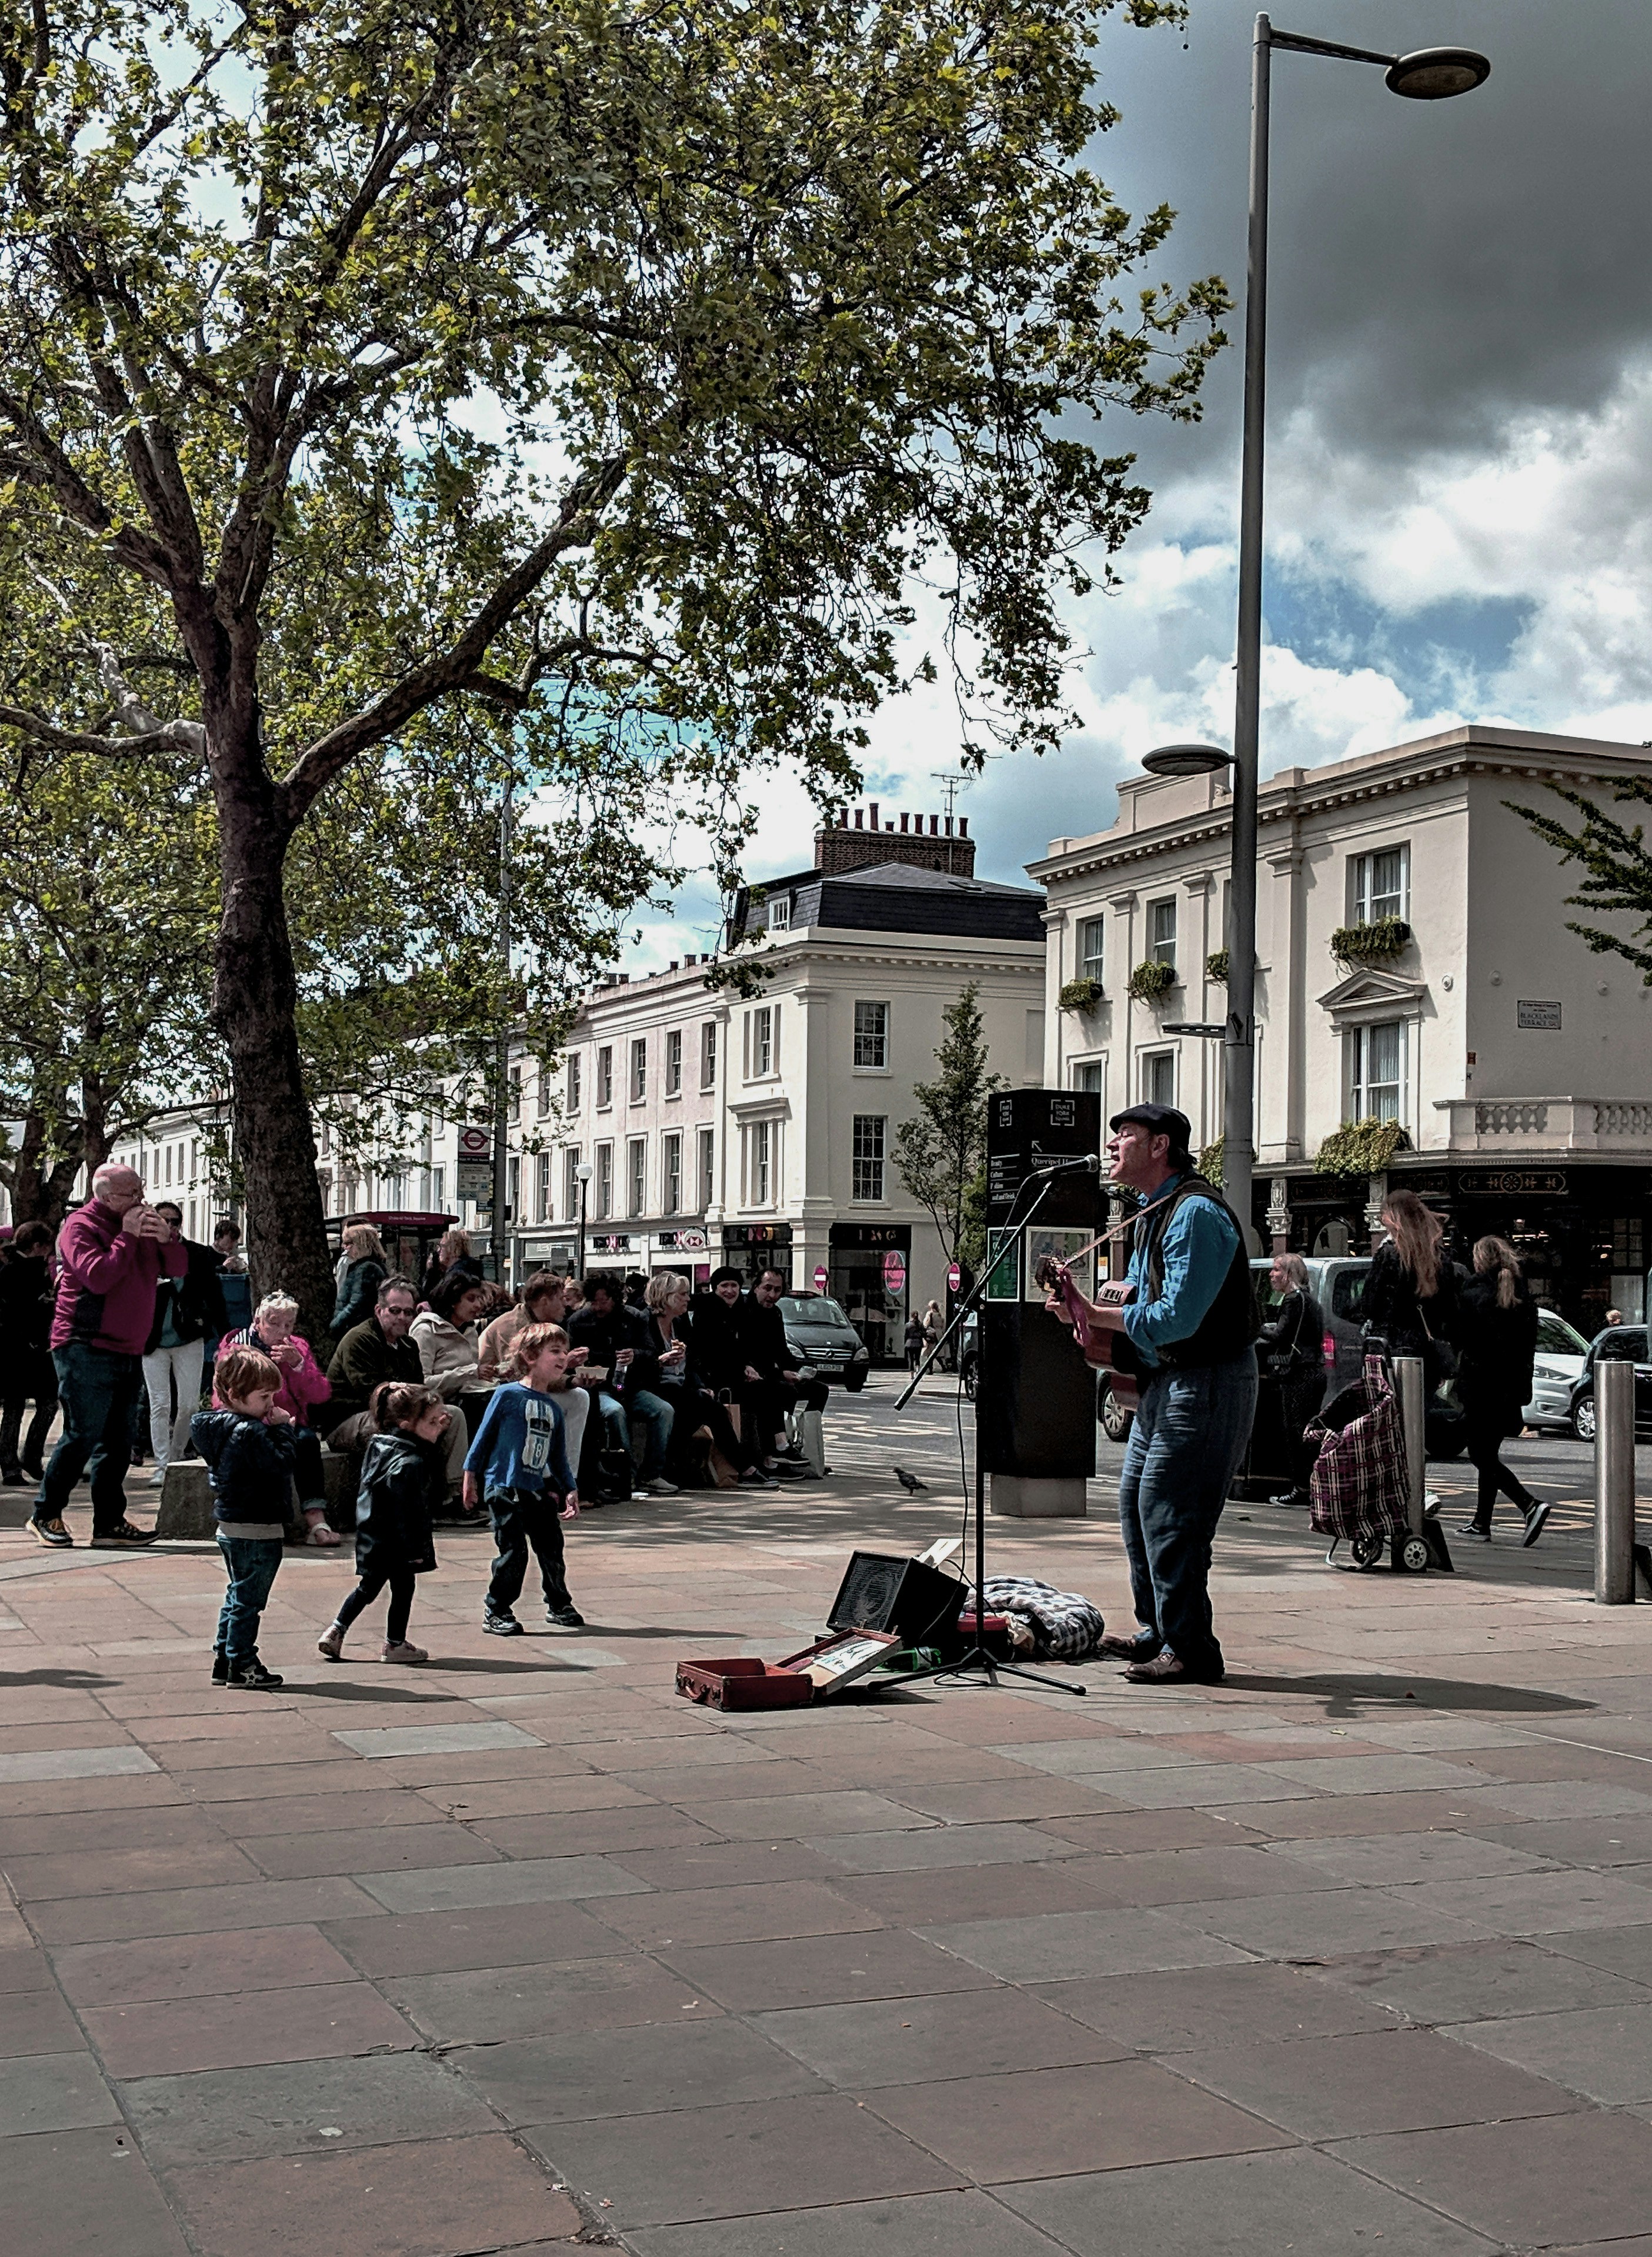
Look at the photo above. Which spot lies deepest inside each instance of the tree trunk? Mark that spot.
(40, 1187)
(254, 998)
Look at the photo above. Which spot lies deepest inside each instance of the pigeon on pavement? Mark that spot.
(909, 1482)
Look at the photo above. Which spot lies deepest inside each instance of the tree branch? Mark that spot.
(329, 756)
(172, 737)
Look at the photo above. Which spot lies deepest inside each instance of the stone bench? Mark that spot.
(186, 1501)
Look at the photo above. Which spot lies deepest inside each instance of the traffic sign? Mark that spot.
(1213, 1030)
(955, 1276)
(822, 1279)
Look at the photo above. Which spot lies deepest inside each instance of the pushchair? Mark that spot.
(1358, 1488)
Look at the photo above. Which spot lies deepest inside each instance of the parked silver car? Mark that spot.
(823, 1341)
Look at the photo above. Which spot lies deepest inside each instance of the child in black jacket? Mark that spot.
(393, 1540)
(247, 1442)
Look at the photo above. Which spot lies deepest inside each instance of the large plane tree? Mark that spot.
(610, 373)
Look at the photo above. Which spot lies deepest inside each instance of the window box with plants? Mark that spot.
(1362, 1147)
(1152, 981)
(1216, 967)
(1083, 995)
(1370, 944)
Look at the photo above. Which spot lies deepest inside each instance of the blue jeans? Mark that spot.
(653, 1411)
(1185, 1447)
(99, 1393)
(250, 1563)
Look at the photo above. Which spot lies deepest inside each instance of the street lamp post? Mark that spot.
(582, 1175)
(1430, 74)
(502, 1217)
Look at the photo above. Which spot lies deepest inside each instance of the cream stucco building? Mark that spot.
(1518, 1063)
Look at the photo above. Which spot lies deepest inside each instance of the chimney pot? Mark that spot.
(871, 817)
(903, 823)
(963, 827)
(935, 825)
(949, 827)
(858, 824)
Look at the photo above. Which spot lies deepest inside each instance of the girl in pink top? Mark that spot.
(304, 1387)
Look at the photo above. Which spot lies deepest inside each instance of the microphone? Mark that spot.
(1090, 1164)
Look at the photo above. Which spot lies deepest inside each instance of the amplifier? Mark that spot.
(882, 1591)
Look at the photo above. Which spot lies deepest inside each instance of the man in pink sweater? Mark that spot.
(112, 1255)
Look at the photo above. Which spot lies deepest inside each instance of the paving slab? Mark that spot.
(1061, 1945)
(756, 1913)
(434, 1739)
(1548, 2179)
(972, 2224)
(722, 2162)
(821, 1971)
(492, 2004)
(433, 2199)
(963, 2033)
(1182, 2009)
(638, 2072)
(74, 1763)
(1447, 1982)
(1395, 2081)
(1101, 2116)
(54, 2092)
(527, 1881)
(478, 1935)
(308, 2107)
(197, 1966)
(1235, 2206)
(1603, 2052)
(162, 2036)
(85, 2194)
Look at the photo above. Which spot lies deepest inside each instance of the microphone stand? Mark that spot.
(978, 1656)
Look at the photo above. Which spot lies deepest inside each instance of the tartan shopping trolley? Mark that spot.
(1359, 1485)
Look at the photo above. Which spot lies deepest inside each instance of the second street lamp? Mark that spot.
(1430, 74)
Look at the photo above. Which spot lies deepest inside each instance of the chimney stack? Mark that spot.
(934, 843)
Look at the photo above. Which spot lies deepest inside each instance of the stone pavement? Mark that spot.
(519, 1949)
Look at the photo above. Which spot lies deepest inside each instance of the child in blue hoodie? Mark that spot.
(248, 1446)
(518, 1466)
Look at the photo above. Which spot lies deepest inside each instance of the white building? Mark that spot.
(722, 1129)
(1518, 1063)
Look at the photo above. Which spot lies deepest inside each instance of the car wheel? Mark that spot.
(1583, 1420)
(970, 1377)
(1116, 1421)
(854, 1381)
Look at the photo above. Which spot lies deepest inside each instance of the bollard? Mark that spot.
(1407, 1384)
(1614, 1483)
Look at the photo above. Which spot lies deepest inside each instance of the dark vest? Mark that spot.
(1230, 1323)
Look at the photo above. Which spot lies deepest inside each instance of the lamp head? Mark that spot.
(583, 1173)
(1186, 760)
(1436, 73)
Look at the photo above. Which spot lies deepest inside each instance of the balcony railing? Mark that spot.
(1531, 1125)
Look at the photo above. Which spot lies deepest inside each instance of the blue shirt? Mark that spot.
(1197, 1252)
(518, 1444)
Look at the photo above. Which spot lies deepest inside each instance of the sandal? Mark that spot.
(323, 1538)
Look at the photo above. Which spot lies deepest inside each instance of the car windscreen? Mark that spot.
(817, 1310)
(1556, 1336)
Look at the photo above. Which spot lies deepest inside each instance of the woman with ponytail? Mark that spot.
(1497, 1338)
(1410, 1297)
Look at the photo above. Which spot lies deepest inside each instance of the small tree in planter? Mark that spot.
(1151, 982)
(1370, 944)
(1362, 1147)
(1081, 996)
(1216, 967)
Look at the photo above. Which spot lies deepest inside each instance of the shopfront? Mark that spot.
(686, 1251)
(869, 1266)
(753, 1247)
(1582, 1232)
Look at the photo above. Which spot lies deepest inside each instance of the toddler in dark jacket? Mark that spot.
(401, 1474)
(248, 1447)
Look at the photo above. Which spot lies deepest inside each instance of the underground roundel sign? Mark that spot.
(894, 1272)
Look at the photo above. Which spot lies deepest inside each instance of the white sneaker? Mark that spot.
(157, 1479)
(660, 1487)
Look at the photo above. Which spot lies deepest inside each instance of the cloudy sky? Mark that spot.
(1459, 416)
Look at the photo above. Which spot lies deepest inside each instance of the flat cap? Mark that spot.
(1159, 1121)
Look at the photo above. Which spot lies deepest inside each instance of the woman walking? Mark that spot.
(1497, 1338)
(1410, 1297)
